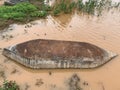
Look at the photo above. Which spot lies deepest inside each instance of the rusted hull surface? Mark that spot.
(58, 54)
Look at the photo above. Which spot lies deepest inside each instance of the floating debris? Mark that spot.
(42, 53)
(74, 83)
(50, 73)
(2, 74)
(85, 83)
(14, 71)
(39, 82)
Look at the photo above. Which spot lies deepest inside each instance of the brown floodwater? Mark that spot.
(1, 2)
(103, 31)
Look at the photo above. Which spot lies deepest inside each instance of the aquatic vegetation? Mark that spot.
(95, 7)
(63, 7)
(92, 7)
(80, 4)
(56, 11)
(9, 85)
(89, 6)
(45, 7)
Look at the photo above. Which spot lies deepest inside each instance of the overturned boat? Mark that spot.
(42, 53)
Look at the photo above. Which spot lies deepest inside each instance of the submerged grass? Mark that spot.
(91, 7)
(63, 7)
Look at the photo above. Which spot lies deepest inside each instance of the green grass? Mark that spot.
(20, 12)
(38, 14)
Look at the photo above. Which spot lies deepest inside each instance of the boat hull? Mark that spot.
(41, 62)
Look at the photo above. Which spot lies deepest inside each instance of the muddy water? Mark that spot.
(1, 2)
(102, 31)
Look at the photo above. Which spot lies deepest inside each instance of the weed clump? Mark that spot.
(9, 85)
